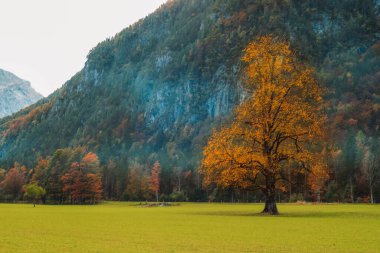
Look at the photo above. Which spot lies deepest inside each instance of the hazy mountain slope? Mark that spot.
(156, 89)
(15, 93)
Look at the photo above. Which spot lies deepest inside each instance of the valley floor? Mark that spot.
(127, 227)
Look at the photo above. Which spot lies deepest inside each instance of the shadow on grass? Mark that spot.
(303, 214)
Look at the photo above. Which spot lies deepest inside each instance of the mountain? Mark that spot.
(15, 93)
(156, 89)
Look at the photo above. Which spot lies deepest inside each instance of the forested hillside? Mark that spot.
(155, 90)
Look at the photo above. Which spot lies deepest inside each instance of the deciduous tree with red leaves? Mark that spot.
(13, 182)
(154, 179)
(82, 183)
(69, 180)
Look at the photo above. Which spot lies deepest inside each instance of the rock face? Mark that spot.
(15, 93)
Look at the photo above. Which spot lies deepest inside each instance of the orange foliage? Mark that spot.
(22, 121)
(13, 181)
(277, 124)
(69, 179)
(83, 182)
(319, 174)
(90, 162)
(154, 179)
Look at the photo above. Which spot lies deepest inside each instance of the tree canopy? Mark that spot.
(34, 192)
(278, 123)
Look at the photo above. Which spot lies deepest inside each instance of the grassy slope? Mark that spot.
(122, 227)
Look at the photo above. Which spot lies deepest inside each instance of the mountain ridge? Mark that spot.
(15, 93)
(156, 89)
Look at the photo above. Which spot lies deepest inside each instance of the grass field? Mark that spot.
(125, 227)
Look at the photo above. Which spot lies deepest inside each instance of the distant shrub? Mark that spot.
(178, 196)
(295, 197)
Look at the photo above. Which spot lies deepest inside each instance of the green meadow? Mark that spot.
(127, 227)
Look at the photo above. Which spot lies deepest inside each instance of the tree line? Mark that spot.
(73, 176)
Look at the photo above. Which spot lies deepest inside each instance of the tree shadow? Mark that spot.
(303, 214)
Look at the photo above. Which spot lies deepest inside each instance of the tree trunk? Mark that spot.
(270, 206)
(352, 191)
(319, 195)
(290, 186)
(371, 194)
(179, 183)
(270, 194)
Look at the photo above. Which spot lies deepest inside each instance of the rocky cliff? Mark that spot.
(15, 93)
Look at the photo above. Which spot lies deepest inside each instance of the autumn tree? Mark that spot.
(13, 182)
(69, 180)
(82, 182)
(90, 178)
(144, 185)
(81, 187)
(319, 174)
(278, 123)
(2, 174)
(94, 187)
(90, 162)
(154, 179)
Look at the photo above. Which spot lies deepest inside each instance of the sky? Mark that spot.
(46, 41)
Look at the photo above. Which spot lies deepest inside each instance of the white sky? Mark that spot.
(46, 41)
